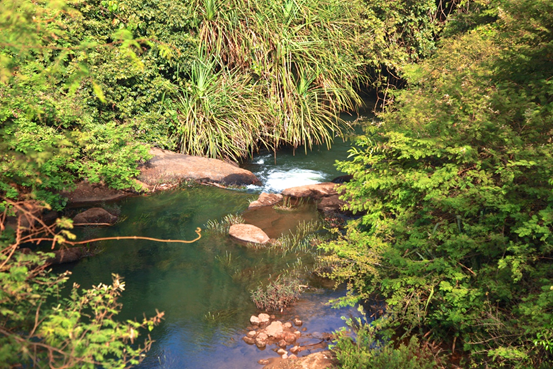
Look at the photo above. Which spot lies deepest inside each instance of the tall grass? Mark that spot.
(268, 73)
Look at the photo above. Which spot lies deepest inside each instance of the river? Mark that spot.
(204, 287)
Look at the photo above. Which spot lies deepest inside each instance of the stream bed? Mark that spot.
(204, 287)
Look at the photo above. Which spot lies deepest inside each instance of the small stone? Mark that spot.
(254, 320)
(304, 329)
(273, 317)
(248, 340)
(298, 334)
(252, 334)
(285, 356)
(264, 318)
(295, 349)
(263, 362)
(297, 322)
(288, 325)
(282, 343)
(261, 340)
(282, 351)
(292, 357)
(290, 337)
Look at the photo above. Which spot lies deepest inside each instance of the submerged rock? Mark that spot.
(94, 216)
(248, 233)
(169, 167)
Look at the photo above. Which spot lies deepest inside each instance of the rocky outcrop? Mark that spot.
(94, 216)
(317, 360)
(314, 191)
(248, 233)
(266, 199)
(86, 192)
(326, 194)
(170, 167)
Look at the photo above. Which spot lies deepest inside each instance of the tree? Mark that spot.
(454, 184)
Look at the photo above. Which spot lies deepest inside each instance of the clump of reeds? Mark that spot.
(268, 75)
(300, 238)
(277, 294)
(222, 226)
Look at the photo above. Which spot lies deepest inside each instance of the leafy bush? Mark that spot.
(456, 184)
(368, 351)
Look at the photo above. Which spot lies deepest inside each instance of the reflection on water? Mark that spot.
(203, 287)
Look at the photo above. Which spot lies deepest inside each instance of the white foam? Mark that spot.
(279, 180)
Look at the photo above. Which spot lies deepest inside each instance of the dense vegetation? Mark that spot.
(455, 191)
(453, 181)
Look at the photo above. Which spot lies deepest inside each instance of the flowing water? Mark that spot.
(204, 287)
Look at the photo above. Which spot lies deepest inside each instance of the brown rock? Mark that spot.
(318, 360)
(297, 322)
(315, 191)
(287, 325)
(281, 351)
(265, 318)
(252, 334)
(93, 216)
(248, 340)
(263, 361)
(290, 337)
(295, 349)
(68, 255)
(261, 340)
(254, 320)
(266, 199)
(282, 343)
(86, 192)
(170, 167)
(248, 233)
(331, 204)
(275, 329)
(292, 357)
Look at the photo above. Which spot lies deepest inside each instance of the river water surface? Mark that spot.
(204, 287)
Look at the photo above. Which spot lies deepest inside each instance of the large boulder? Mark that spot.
(169, 167)
(315, 191)
(94, 216)
(248, 233)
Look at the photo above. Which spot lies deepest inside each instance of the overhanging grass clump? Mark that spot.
(268, 74)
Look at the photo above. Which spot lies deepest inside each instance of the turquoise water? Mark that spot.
(204, 287)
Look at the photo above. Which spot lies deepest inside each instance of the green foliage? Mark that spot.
(454, 184)
(37, 326)
(368, 351)
(50, 131)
